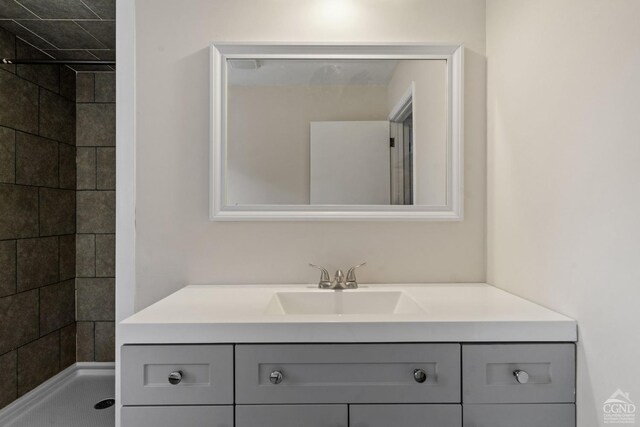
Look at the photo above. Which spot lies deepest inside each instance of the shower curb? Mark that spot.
(16, 408)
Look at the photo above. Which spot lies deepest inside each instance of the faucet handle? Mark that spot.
(325, 280)
(351, 281)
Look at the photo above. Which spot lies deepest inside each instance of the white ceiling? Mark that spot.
(313, 72)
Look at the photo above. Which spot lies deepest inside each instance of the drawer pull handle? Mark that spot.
(419, 375)
(175, 377)
(276, 377)
(521, 376)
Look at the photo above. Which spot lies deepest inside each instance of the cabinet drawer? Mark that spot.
(520, 415)
(206, 371)
(547, 373)
(177, 416)
(338, 373)
(291, 416)
(405, 415)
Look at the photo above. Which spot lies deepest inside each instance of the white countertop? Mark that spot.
(453, 312)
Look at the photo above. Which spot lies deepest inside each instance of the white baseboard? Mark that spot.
(15, 408)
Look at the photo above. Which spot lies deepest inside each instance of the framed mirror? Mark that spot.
(336, 132)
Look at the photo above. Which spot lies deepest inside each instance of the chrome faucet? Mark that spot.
(325, 281)
(339, 282)
(351, 282)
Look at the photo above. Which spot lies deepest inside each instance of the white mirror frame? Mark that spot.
(452, 211)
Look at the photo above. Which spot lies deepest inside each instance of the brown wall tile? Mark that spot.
(96, 212)
(18, 103)
(105, 87)
(68, 83)
(7, 50)
(85, 255)
(37, 262)
(57, 117)
(7, 267)
(18, 320)
(8, 378)
(7, 155)
(36, 160)
(67, 346)
(67, 166)
(57, 306)
(47, 76)
(95, 299)
(57, 211)
(96, 125)
(38, 361)
(85, 342)
(86, 168)
(85, 87)
(106, 168)
(36, 100)
(105, 337)
(18, 211)
(105, 255)
(67, 245)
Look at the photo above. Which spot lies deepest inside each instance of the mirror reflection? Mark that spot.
(336, 132)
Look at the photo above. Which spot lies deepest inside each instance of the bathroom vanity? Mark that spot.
(442, 355)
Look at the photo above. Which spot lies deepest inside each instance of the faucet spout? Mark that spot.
(338, 280)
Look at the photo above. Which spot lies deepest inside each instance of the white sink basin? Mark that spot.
(342, 302)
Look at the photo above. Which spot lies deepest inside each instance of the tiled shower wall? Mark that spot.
(37, 221)
(95, 255)
(57, 219)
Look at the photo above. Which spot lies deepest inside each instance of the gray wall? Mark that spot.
(95, 259)
(563, 205)
(176, 244)
(37, 221)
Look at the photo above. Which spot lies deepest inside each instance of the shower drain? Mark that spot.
(104, 404)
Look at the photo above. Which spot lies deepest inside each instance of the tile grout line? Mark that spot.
(27, 9)
(94, 341)
(39, 136)
(47, 187)
(58, 164)
(95, 256)
(61, 19)
(92, 36)
(59, 349)
(44, 40)
(37, 237)
(15, 163)
(15, 247)
(92, 11)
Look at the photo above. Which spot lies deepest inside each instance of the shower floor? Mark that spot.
(71, 403)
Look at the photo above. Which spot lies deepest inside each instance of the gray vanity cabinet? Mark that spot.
(348, 373)
(177, 416)
(548, 373)
(349, 385)
(405, 415)
(518, 385)
(177, 375)
(292, 416)
(520, 415)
